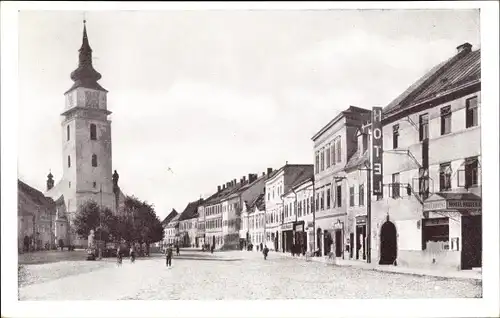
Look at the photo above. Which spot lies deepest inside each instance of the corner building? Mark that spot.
(430, 212)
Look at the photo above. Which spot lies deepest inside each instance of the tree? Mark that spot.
(91, 217)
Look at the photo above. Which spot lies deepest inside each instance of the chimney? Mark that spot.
(234, 182)
(218, 188)
(263, 173)
(252, 177)
(269, 170)
(223, 187)
(244, 180)
(228, 184)
(466, 47)
(50, 181)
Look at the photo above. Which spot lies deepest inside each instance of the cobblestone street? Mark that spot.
(235, 275)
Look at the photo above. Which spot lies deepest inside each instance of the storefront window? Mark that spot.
(435, 233)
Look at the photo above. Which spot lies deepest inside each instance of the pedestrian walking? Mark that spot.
(265, 251)
(212, 249)
(177, 252)
(119, 256)
(132, 254)
(168, 256)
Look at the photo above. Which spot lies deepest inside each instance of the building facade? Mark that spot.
(86, 145)
(430, 211)
(334, 145)
(253, 222)
(172, 231)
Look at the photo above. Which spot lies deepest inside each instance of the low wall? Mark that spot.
(424, 259)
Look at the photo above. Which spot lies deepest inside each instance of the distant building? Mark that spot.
(430, 211)
(188, 220)
(40, 224)
(253, 219)
(334, 145)
(166, 221)
(277, 184)
(172, 231)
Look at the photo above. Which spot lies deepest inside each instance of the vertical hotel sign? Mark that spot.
(377, 150)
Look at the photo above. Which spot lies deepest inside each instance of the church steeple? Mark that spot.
(85, 75)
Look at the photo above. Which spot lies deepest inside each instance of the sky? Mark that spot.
(216, 95)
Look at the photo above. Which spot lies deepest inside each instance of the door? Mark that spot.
(360, 241)
(338, 243)
(388, 244)
(471, 242)
(351, 244)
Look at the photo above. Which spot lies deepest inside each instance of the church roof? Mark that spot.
(85, 75)
(31, 201)
(169, 217)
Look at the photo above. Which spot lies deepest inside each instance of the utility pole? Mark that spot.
(368, 214)
(100, 225)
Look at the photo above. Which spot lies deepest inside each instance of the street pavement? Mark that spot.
(233, 275)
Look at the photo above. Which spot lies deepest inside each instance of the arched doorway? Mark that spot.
(327, 242)
(388, 244)
(213, 241)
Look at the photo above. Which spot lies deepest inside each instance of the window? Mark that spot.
(322, 160)
(69, 162)
(435, 233)
(361, 194)
(328, 198)
(339, 151)
(395, 186)
(351, 196)
(307, 206)
(322, 202)
(471, 172)
(94, 160)
(471, 112)
(423, 183)
(339, 196)
(93, 132)
(395, 135)
(317, 162)
(67, 132)
(332, 150)
(445, 176)
(317, 202)
(365, 142)
(94, 184)
(423, 126)
(445, 120)
(328, 156)
(69, 184)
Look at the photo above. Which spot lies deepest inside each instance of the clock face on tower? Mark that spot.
(92, 99)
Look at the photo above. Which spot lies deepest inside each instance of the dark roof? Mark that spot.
(296, 173)
(259, 202)
(438, 196)
(85, 75)
(191, 210)
(30, 200)
(352, 110)
(462, 69)
(169, 217)
(358, 159)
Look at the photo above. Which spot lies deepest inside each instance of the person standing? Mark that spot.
(265, 252)
(177, 252)
(119, 256)
(168, 256)
(132, 254)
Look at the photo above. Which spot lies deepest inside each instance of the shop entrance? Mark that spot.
(471, 242)
(288, 240)
(351, 245)
(388, 244)
(319, 240)
(327, 242)
(360, 241)
(338, 243)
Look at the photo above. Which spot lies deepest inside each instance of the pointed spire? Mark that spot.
(85, 75)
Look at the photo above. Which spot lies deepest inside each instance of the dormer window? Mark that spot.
(93, 132)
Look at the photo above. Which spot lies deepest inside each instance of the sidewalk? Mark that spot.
(464, 274)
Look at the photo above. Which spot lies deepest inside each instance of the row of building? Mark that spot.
(426, 212)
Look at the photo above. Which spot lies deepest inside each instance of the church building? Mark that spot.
(86, 146)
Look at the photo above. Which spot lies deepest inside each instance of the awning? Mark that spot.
(443, 201)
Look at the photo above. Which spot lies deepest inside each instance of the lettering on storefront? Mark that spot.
(361, 220)
(436, 205)
(287, 227)
(377, 147)
(461, 204)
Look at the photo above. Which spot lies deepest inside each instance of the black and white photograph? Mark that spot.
(250, 154)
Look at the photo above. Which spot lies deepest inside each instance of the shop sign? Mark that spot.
(361, 220)
(287, 227)
(435, 222)
(462, 204)
(299, 227)
(337, 225)
(377, 147)
(435, 205)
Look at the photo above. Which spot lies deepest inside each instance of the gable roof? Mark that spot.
(30, 200)
(352, 110)
(259, 203)
(462, 69)
(357, 159)
(191, 210)
(169, 217)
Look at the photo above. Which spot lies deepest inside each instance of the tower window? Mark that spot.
(94, 160)
(94, 184)
(395, 135)
(69, 162)
(67, 132)
(93, 132)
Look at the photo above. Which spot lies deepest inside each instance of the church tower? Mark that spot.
(87, 164)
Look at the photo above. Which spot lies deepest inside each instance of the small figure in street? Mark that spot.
(177, 252)
(212, 249)
(132, 254)
(119, 256)
(265, 252)
(168, 256)
(261, 246)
